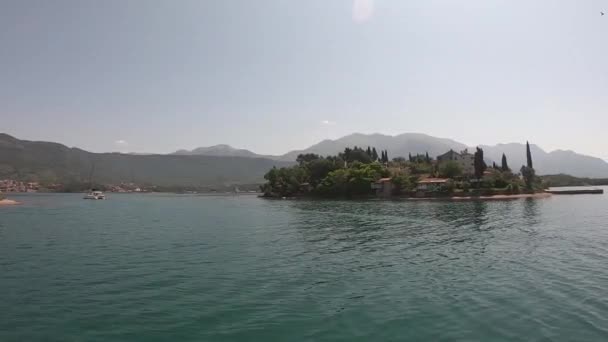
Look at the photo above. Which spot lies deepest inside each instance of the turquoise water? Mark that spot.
(238, 268)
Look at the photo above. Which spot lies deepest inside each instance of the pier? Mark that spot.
(577, 192)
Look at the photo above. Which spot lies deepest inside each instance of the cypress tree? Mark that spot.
(410, 157)
(479, 163)
(426, 157)
(504, 166)
(369, 151)
(374, 154)
(529, 155)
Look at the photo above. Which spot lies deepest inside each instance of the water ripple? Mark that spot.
(240, 268)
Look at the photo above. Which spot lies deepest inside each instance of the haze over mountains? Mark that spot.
(224, 165)
(554, 162)
(56, 163)
(221, 150)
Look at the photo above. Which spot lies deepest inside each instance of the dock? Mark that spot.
(577, 192)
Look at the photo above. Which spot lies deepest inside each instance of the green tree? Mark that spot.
(369, 151)
(427, 158)
(504, 166)
(355, 154)
(285, 182)
(361, 156)
(354, 181)
(529, 176)
(479, 164)
(527, 171)
(335, 184)
(410, 157)
(401, 183)
(528, 156)
(374, 154)
(418, 168)
(305, 158)
(319, 169)
(465, 186)
(450, 169)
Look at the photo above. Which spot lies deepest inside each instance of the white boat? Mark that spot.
(95, 195)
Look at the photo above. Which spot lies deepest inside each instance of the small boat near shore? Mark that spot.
(95, 195)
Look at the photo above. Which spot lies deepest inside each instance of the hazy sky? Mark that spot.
(157, 76)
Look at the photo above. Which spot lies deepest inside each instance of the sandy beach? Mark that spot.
(6, 202)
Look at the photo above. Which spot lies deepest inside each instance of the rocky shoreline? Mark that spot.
(538, 195)
(7, 202)
(485, 198)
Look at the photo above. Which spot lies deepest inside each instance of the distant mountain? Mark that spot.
(548, 163)
(52, 162)
(222, 164)
(220, 151)
(397, 146)
(545, 163)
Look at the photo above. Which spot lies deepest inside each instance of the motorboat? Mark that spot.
(95, 195)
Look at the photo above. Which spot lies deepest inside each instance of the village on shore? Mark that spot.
(364, 173)
(359, 172)
(11, 185)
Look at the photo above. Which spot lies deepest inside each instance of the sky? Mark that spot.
(274, 75)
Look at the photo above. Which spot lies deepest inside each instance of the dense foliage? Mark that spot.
(450, 169)
(348, 174)
(351, 173)
(504, 166)
(479, 163)
(528, 173)
(528, 157)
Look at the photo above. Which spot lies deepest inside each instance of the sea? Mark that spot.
(162, 267)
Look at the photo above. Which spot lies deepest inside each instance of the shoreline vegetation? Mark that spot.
(537, 195)
(359, 173)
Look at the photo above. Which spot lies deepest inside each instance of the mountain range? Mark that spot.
(224, 165)
(554, 162)
(221, 150)
(55, 163)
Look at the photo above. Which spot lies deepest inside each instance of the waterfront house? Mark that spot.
(431, 184)
(465, 159)
(383, 187)
(9, 185)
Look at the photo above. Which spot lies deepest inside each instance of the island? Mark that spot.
(364, 173)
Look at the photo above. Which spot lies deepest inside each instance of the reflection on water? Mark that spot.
(531, 214)
(410, 229)
(246, 269)
(459, 214)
